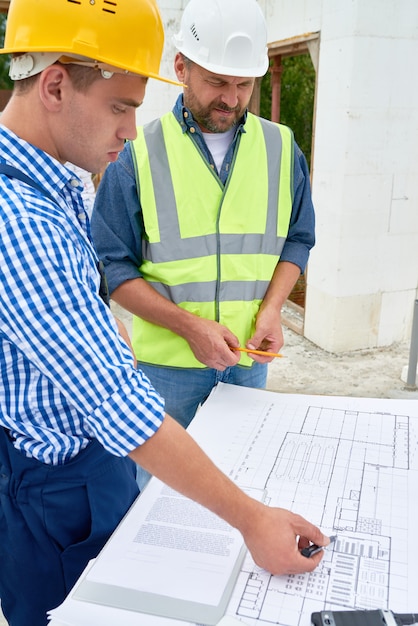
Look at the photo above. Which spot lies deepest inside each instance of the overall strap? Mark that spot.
(13, 172)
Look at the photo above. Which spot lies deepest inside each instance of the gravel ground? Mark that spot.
(306, 368)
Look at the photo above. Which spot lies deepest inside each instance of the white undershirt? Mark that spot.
(218, 144)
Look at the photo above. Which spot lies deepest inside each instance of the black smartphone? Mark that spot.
(353, 618)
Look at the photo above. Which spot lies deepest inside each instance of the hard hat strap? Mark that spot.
(30, 64)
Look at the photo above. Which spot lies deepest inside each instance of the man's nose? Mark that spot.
(230, 96)
(128, 131)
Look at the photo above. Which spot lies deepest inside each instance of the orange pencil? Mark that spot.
(262, 352)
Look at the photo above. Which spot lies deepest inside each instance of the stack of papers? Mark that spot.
(170, 558)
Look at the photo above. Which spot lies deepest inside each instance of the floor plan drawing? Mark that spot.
(348, 465)
(351, 467)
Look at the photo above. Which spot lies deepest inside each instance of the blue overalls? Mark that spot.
(53, 520)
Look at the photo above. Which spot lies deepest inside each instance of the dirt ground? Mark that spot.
(306, 368)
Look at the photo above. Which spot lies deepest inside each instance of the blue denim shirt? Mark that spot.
(117, 225)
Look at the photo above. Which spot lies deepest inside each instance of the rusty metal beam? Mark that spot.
(276, 70)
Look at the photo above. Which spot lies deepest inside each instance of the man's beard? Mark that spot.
(222, 125)
(204, 115)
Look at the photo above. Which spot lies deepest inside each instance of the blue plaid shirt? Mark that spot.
(66, 376)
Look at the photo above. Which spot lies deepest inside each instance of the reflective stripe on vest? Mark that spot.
(204, 249)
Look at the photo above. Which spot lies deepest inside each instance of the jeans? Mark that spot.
(184, 390)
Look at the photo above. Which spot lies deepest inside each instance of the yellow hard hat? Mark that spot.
(124, 34)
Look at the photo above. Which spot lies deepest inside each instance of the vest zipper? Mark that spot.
(218, 241)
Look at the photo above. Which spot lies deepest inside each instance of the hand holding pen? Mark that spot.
(309, 551)
(261, 352)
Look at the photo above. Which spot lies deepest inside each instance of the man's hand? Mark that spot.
(276, 538)
(268, 334)
(210, 341)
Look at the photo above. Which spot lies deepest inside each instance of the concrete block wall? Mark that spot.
(362, 277)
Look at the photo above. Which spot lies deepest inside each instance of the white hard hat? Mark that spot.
(225, 36)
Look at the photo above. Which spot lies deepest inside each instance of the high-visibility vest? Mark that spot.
(210, 248)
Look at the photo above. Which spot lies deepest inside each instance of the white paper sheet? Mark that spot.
(170, 556)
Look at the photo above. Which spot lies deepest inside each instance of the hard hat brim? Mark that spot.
(131, 70)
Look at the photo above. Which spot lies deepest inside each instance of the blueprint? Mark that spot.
(349, 465)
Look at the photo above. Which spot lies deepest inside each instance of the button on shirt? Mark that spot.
(66, 375)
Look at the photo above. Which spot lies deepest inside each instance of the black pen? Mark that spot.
(314, 548)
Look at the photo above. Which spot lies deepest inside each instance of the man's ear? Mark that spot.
(179, 66)
(53, 83)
